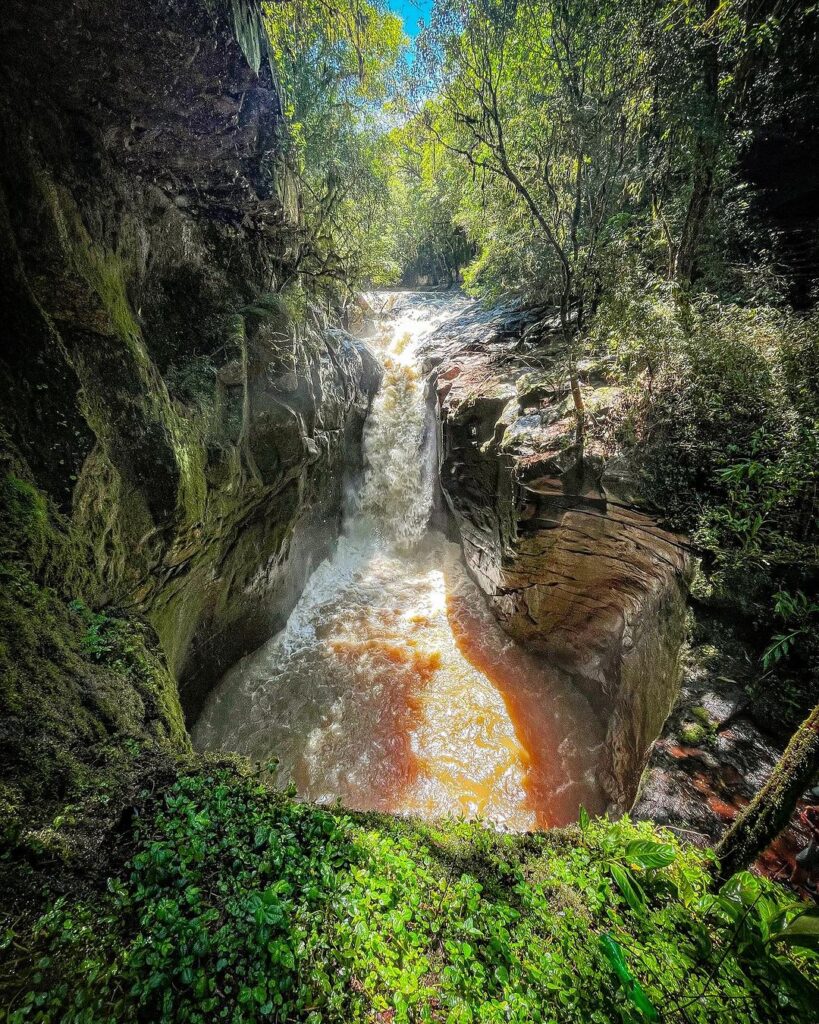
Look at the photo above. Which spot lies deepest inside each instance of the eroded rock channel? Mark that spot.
(514, 675)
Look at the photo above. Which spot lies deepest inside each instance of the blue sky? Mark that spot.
(411, 11)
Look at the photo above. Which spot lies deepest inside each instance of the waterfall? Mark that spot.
(395, 499)
(391, 686)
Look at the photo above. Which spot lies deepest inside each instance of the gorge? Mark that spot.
(391, 687)
(407, 516)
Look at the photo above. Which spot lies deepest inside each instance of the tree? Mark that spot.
(543, 101)
(755, 828)
(336, 59)
(426, 186)
(708, 59)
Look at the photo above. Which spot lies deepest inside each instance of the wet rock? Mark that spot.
(713, 756)
(574, 567)
(193, 422)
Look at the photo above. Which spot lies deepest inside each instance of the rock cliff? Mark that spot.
(573, 564)
(170, 414)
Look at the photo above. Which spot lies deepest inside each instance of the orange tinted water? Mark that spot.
(392, 687)
(397, 691)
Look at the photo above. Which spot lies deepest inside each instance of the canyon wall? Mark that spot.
(574, 566)
(174, 423)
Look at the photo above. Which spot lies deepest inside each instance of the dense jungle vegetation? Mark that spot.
(607, 160)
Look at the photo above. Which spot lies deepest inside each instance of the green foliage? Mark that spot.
(800, 616)
(633, 989)
(541, 104)
(335, 62)
(720, 417)
(802, 930)
(562, 133)
(429, 242)
(116, 642)
(238, 904)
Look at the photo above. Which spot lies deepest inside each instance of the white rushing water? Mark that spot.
(392, 687)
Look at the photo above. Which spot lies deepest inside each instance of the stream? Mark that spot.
(392, 687)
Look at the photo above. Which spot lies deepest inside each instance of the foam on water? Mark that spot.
(392, 687)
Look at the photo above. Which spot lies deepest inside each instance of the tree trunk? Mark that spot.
(695, 217)
(755, 828)
(579, 406)
(569, 333)
(707, 148)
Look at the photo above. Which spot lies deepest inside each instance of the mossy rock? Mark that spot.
(82, 691)
(693, 734)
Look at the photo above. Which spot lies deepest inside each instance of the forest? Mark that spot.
(409, 506)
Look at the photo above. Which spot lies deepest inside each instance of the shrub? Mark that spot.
(721, 416)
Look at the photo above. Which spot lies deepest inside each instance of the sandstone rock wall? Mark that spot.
(573, 567)
(191, 421)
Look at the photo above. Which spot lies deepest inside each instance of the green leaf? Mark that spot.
(779, 647)
(632, 988)
(584, 819)
(614, 955)
(802, 931)
(629, 887)
(743, 886)
(648, 854)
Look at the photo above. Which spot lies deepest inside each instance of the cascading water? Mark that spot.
(392, 687)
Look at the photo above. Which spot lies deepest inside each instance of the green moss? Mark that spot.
(693, 735)
(72, 694)
(75, 685)
(175, 616)
(703, 717)
(103, 271)
(126, 646)
(28, 534)
(122, 369)
(701, 731)
(190, 451)
(25, 516)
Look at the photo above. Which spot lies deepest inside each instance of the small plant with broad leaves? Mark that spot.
(799, 614)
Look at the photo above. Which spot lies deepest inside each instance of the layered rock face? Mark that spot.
(573, 566)
(190, 418)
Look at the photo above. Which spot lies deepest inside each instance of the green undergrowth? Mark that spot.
(85, 694)
(237, 904)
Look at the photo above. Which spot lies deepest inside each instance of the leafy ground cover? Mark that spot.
(237, 904)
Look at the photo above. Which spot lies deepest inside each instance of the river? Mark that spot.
(392, 687)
